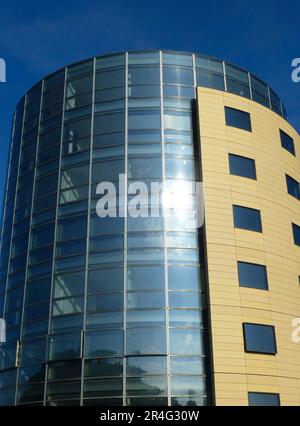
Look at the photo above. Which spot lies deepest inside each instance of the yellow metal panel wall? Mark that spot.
(235, 372)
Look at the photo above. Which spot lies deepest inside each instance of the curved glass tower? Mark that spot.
(115, 310)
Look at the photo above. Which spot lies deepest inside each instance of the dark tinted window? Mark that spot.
(293, 187)
(236, 118)
(263, 399)
(287, 142)
(296, 232)
(242, 166)
(246, 218)
(252, 275)
(259, 338)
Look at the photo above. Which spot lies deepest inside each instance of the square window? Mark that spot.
(259, 338)
(247, 218)
(237, 118)
(252, 275)
(242, 166)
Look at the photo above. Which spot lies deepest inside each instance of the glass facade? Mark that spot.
(109, 311)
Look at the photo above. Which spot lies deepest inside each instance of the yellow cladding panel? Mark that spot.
(235, 372)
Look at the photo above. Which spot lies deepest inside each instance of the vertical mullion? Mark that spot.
(55, 235)
(224, 76)
(125, 232)
(167, 331)
(88, 230)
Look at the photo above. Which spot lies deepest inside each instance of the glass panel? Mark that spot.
(178, 120)
(32, 374)
(187, 365)
(174, 75)
(146, 318)
(185, 299)
(185, 278)
(110, 78)
(64, 370)
(67, 285)
(153, 385)
(104, 320)
(103, 387)
(63, 390)
(110, 61)
(103, 367)
(76, 176)
(186, 342)
(105, 280)
(105, 302)
(72, 228)
(210, 79)
(64, 346)
(149, 119)
(183, 59)
(144, 168)
(144, 75)
(33, 352)
(186, 318)
(187, 385)
(72, 305)
(151, 342)
(104, 343)
(144, 365)
(144, 300)
(145, 278)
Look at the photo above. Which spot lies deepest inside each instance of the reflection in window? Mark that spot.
(152, 385)
(140, 366)
(178, 120)
(104, 343)
(187, 385)
(176, 75)
(149, 119)
(186, 342)
(145, 278)
(187, 365)
(103, 367)
(64, 346)
(141, 343)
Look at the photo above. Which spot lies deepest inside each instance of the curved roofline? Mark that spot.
(160, 50)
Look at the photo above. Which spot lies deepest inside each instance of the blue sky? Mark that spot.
(36, 38)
